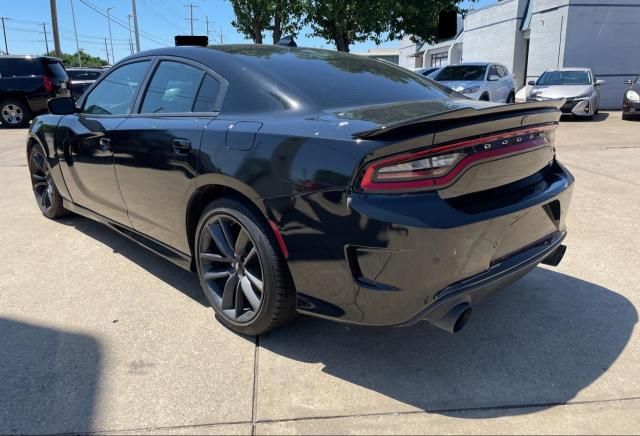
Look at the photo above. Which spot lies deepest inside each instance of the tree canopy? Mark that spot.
(71, 59)
(342, 22)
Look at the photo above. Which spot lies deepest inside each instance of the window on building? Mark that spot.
(439, 59)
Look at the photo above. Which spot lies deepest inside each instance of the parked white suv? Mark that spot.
(479, 80)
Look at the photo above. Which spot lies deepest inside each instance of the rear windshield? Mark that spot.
(21, 67)
(334, 80)
(462, 73)
(56, 69)
(564, 78)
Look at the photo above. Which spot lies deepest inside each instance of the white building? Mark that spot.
(531, 36)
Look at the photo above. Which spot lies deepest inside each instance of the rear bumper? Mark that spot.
(500, 275)
(396, 259)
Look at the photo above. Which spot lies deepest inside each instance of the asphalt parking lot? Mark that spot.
(98, 335)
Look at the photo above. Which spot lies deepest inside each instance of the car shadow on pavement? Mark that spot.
(538, 342)
(48, 379)
(173, 275)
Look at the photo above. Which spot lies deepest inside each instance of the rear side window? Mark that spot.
(172, 89)
(116, 93)
(331, 79)
(83, 75)
(57, 70)
(205, 102)
(21, 67)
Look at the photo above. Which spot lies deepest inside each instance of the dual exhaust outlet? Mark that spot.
(455, 319)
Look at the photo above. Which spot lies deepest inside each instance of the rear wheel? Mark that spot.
(241, 269)
(14, 113)
(512, 97)
(44, 188)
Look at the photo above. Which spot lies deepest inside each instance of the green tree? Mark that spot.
(71, 60)
(347, 21)
(253, 17)
(286, 18)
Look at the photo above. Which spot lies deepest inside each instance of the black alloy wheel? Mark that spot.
(44, 188)
(241, 270)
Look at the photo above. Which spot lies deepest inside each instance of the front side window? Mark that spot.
(172, 89)
(115, 94)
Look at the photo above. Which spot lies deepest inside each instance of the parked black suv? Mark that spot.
(26, 84)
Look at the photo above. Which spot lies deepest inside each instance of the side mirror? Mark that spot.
(628, 82)
(61, 106)
(600, 82)
(494, 77)
(531, 83)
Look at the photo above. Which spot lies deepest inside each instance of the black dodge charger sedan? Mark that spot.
(307, 181)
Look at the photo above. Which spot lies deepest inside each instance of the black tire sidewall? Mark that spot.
(266, 250)
(57, 209)
(26, 112)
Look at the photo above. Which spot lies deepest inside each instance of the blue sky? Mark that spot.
(159, 21)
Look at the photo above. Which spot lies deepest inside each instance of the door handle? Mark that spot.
(104, 144)
(181, 146)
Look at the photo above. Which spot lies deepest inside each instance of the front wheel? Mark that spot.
(241, 269)
(47, 195)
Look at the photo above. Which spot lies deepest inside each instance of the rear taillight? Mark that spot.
(48, 84)
(440, 166)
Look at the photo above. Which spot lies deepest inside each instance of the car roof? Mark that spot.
(570, 69)
(49, 58)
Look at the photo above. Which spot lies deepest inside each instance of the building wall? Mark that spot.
(407, 49)
(547, 36)
(493, 35)
(605, 36)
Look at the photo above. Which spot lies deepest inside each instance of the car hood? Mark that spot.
(560, 91)
(459, 85)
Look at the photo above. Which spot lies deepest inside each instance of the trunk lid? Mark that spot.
(489, 145)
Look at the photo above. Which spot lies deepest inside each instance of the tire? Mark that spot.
(511, 98)
(250, 289)
(484, 97)
(15, 113)
(44, 188)
(625, 117)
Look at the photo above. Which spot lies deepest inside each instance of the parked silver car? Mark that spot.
(479, 81)
(577, 85)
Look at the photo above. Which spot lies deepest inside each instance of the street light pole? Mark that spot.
(75, 30)
(113, 55)
(106, 48)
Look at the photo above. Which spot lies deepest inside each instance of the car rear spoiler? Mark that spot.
(466, 114)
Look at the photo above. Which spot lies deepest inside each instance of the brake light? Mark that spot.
(439, 166)
(48, 84)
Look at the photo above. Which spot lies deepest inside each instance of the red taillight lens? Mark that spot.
(441, 165)
(48, 84)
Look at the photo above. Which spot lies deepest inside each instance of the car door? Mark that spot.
(493, 85)
(87, 141)
(158, 147)
(506, 82)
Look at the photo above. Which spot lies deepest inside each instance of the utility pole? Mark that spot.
(113, 55)
(221, 35)
(130, 37)
(207, 18)
(46, 41)
(75, 30)
(191, 19)
(135, 24)
(54, 27)
(106, 48)
(4, 31)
